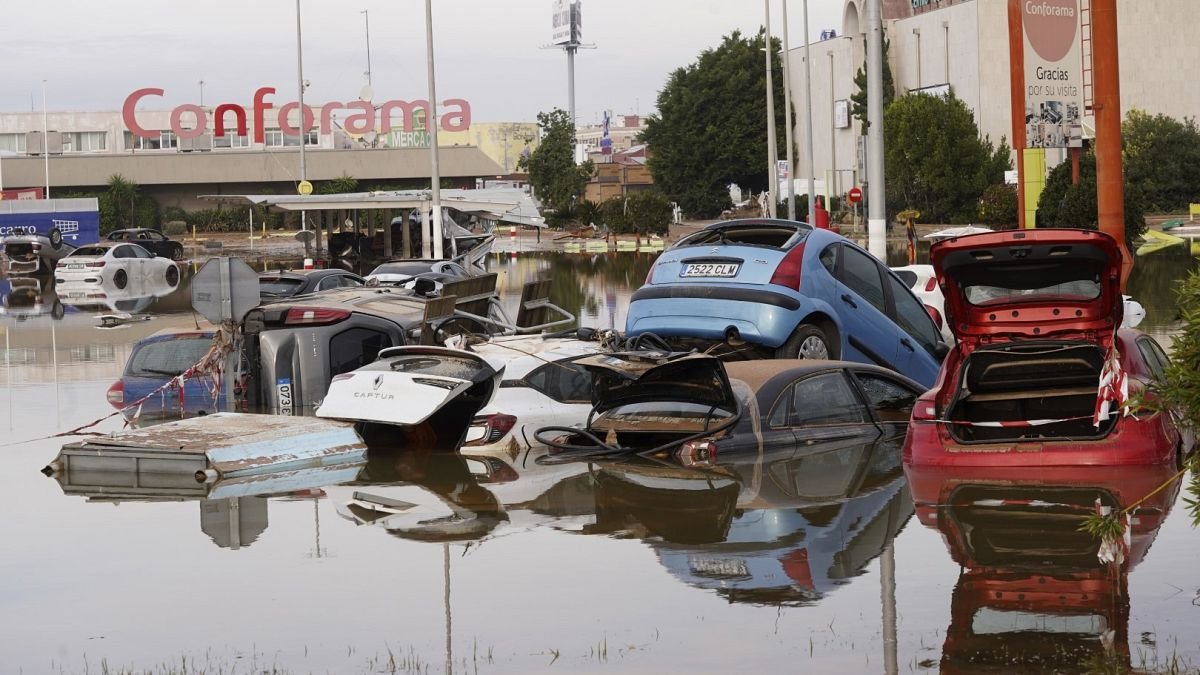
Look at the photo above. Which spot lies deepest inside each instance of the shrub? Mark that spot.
(647, 212)
(998, 205)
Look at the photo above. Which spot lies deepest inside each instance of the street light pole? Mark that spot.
(431, 123)
(367, 20)
(772, 153)
(45, 140)
(787, 116)
(301, 127)
(808, 131)
(876, 195)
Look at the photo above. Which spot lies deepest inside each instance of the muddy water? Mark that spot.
(425, 561)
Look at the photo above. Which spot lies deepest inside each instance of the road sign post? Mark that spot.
(224, 291)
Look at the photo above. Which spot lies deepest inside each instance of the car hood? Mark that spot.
(1031, 284)
(636, 377)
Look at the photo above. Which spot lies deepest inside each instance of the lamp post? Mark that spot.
(772, 153)
(45, 140)
(787, 116)
(431, 122)
(367, 20)
(808, 131)
(301, 127)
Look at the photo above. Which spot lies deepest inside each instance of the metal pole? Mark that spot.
(1110, 180)
(832, 190)
(787, 116)
(772, 152)
(808, 131)
(301, 127)
(571, 83)
(367, 20)
(887, 580)
(1016, 59)
(876, 208)
(446, 604)
(45, 140)
(432, 125)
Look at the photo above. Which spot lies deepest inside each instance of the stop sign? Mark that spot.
(855, 195)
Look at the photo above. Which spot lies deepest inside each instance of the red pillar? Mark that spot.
(1110, 178)
(1016, 60)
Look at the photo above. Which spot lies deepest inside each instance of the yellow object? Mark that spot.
(1193, 211)
(1034, 165)
(304, 188)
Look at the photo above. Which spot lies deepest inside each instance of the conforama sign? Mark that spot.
(231, 117)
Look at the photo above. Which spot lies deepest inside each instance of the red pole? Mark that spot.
(1110, 179)
(1075, 152)
(1016, 58)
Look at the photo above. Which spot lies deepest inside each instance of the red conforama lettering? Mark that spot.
(456, 116)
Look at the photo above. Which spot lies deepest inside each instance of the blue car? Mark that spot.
(789, 291)
(154, 361)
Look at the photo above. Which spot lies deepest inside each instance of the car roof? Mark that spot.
(132, 229)
(522, 354)
(764, 374)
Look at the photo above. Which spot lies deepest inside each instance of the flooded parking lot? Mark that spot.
(826, 556)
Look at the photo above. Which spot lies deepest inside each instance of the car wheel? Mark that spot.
(56, 238)
(172, 276)
(120, 279)
(177, 253)
(807, 342)
(57, 312)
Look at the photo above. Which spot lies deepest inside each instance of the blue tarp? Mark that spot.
(78, 220)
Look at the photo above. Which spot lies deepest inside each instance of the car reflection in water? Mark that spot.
(135, 297)
(23, 298)
(1032, 594)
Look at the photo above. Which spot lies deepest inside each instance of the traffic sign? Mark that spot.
(304, 188)
(225, 289)
(855, 195)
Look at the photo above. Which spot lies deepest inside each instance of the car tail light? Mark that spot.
(116, 394)
(35, 247)
(931, 284)
(925, 410)
(490, 469)
(935, 315)
(98, 263)
(314, 316)
(788, 271)
(649, 273)
(494, 428)
(697, 453)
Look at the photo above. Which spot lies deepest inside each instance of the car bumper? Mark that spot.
(759, 315)
(89, 275)
(24, 266)
(1133, 442)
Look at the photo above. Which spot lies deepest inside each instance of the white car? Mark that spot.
(117, 264)
(138, 294)
(921, 280)
(542, 387)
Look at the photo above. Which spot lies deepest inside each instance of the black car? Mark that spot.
(152, 240)
(285, 284)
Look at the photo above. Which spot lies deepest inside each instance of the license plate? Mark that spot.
(75, 267)
(283, 390)
(718, 567)
(710, 270)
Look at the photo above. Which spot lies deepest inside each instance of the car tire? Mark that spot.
(172, 276)
(807, 342)
(57, 312)
(177, 253)
(56, 239)
(120, 279)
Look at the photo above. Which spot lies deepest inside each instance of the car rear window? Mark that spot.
(425, 364)
(167, 358)
(97, 251)
(278, 286)
(666, 413)
(908, 277)
(409, 268)
(1080, 289)
(774, 236)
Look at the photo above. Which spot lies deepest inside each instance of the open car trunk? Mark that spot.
(1029, 391)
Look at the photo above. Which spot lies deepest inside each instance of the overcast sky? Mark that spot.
(92, 54)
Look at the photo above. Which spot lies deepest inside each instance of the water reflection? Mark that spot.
(1032, 595)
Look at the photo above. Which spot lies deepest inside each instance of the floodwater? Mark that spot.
(428, 562)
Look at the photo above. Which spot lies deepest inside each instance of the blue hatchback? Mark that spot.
(154, 361)
(790, 290)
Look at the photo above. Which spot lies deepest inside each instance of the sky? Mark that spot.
(489, 52)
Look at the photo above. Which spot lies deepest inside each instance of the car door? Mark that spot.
(818, 407)
(144, 261)
(123, 259)
(562, 396)
(156, 243)
(862, 306)
(890, 401)
(917, 348)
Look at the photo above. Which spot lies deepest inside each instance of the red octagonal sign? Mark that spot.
(855, 195)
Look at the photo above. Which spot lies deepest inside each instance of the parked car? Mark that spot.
(137, 295)
(287, 283)
(152, 240)
(398, 272)
(1036, 314)
(23, 298)
(115, 263)
(923, 283)
(33, 253)
(790, 291)
(695, 406)
(153, 362)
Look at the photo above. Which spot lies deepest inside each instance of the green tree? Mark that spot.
(1162, 159)
(999, 206)
(645, 212)
(935, 160)
(556, 179)
(1064, 204)
(122, 194)
(858, 100)
(341, 185)
(711, 125)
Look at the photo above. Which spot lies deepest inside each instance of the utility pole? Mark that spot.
(45, 140)
(808, 131)
(876, 207)
(1110, 178)
(787, 116)
(431, 124)
(201, 93)
(367, 20)
(301, 126)
(772, 152)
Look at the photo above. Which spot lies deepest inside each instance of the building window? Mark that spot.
(164, 140)
(275, 138)
(84, 141)
(12, 143)
(231, 141)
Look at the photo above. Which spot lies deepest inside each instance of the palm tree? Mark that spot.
(123, 193)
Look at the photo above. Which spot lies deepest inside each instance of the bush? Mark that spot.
(1064, 204)
(647, 212)
(175, 228)
(998, 205)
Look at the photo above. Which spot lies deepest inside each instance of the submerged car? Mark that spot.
(33, 253)
(1036, 314)
(152, 240)
(153, 362)
(398, 272)
(118, 264)
(789, 291)
(287, 283)
(694, 406)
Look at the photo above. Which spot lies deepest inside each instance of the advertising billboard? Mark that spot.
(567, 22)
(1053, 73)
(76, 221)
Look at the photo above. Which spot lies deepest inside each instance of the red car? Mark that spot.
(1036, 315)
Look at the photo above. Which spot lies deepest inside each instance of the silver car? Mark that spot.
(34, 253)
